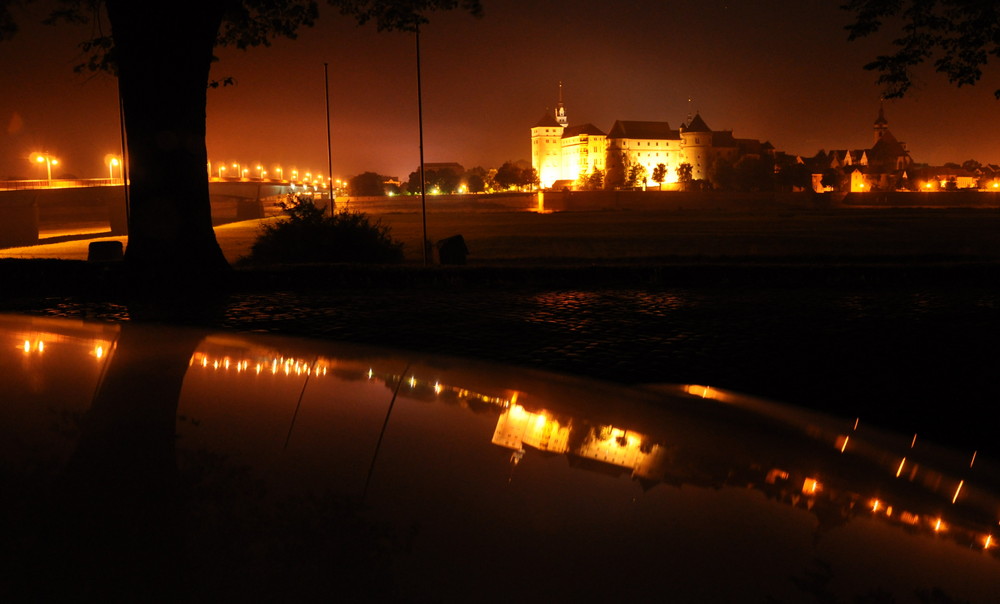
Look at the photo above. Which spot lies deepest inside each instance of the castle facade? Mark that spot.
(564, 155)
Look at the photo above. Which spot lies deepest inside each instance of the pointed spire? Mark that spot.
(880, 120)
(561, 109)
(881, 125)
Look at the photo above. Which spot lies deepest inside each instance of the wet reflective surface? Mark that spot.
(184, 464)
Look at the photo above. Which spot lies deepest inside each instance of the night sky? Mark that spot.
(777, 71)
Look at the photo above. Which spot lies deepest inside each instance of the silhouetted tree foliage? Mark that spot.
(957, 36)
(636, 175)
(309, 234)
(591, 182)
(723, 175)
(971, 165)
(508, 176)
(366, 184)
(754, 173)
(660, 173)
(794, 176)
(833, 178)
(443, 181)
(475, 179)
(685, 173)
(161, 53)
(615, 169)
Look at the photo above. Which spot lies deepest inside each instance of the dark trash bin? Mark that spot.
(105, 251)
(452, 250)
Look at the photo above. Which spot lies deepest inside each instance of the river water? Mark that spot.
(916, 358)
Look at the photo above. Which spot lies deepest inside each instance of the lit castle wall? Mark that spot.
(566, 154)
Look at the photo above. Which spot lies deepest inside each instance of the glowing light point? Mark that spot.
(810, 486)
(899, 470)
(957, 491)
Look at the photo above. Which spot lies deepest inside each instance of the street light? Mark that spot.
(49, 161)
(113, 163)
(222, 170)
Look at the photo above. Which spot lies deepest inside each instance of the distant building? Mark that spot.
(563, 153)
(886, 166)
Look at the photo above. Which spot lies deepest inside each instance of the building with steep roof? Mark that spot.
(884, 166)
(560, 152)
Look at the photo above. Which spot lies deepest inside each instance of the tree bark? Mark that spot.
(164, 53)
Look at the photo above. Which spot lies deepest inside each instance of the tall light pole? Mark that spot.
(329, 146)
(112, 164)
(420, 127)
(49, 161)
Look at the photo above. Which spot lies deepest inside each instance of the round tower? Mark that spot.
(696, 137)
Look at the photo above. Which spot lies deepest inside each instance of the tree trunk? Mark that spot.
(164, 52)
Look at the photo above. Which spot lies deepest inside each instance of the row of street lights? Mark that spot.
(239, 171)
(113, 162)
(222, 171)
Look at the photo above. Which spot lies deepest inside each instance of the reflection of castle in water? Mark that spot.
(834, 495)
(837, 477)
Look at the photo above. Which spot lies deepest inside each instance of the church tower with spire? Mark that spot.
(881, 124)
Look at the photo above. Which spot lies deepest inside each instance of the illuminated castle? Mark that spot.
(563, 155)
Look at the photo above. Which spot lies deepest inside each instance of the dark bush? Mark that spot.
(308, 234)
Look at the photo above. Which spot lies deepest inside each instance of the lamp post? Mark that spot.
(49, 161)
(113, 163)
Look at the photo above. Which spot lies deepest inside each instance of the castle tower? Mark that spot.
(697, 140)
(546, 144)
(881, 124)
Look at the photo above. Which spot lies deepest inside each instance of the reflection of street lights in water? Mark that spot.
(49, 161)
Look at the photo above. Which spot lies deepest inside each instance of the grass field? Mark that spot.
(648, 236)
(651, 236)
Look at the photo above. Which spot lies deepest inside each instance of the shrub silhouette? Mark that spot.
(308, 234)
